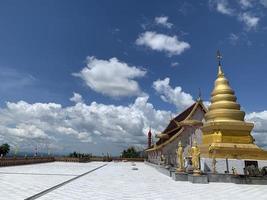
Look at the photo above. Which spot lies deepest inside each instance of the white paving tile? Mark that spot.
(51, 168)
(119, 181)
(28, 180)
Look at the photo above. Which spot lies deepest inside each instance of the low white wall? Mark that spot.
(239, 165)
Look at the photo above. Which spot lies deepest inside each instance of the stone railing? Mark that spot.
(33, 160)
(99, 159)
(24, 161)
(129, 159)
(70, 159)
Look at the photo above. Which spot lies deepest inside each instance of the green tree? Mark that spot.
(80, 155)
(4, 149)
(130, 153)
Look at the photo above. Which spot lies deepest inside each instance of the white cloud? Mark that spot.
(260, 120)
(250, 21)
(246, 3)
(260, 127)
(73, 127)
(172, 95)
(76, 98)
(233, 38)
(174, 64)
(160, 42)
(244, 13)
(27, 131)
(207, 103)
(239, 39)
(222, 6)
(111, 77)
(13, 80)
(163, 21)
(94, 127)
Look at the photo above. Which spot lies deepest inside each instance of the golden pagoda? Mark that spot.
(225, 133)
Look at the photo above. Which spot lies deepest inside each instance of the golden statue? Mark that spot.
(162, 159)
(214, 162)
(180, 159)
(195, 158)
(234, 171)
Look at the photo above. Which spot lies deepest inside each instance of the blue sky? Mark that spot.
(131, 65)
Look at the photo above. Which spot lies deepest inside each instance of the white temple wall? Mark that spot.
(186, 138)
(221, 166)
(198, 115)
(154, 157)
(262, 163)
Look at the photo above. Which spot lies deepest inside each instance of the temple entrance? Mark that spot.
(250, 163)
(251, 168)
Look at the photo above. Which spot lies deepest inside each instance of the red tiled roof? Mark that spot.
(179, 118)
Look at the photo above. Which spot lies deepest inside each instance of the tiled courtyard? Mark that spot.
(113, 181)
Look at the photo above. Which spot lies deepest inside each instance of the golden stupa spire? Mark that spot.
(219, 58)
(220, 72)
(223, 100)
(225, 134)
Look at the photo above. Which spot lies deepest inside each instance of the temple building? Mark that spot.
(223, 137)
(184, 127)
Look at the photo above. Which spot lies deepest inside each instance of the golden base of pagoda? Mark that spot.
(196, 172)
(180, 170)
(233, 151)
(227, 132)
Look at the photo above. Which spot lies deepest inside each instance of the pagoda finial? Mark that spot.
(219, 58)
(199, 95)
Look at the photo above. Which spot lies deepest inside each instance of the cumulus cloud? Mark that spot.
(222, 6)
(163, 21)
(76, 98)
(26, 124)
(246, 3)
(259, 119)
(92, 127)
(161, 42)
(172, 95)
(260, 127)
(250, 21)
(111, 77)
(26, 131)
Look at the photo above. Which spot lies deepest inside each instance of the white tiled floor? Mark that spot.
(119, 181)
(116, 181)
(33, 179)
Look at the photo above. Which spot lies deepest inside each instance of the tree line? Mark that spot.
(131, 152)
